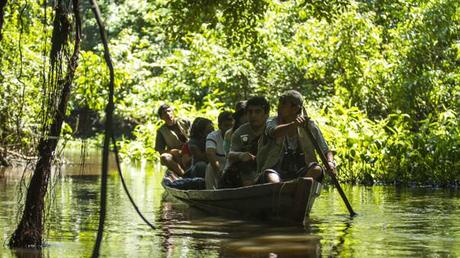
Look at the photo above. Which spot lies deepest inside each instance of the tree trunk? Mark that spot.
(29, 232)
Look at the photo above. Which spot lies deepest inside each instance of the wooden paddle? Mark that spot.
(326, 164)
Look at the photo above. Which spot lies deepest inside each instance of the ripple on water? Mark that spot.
(390, 223)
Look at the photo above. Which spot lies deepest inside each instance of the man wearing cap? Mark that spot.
(170, 138)
(285, 151)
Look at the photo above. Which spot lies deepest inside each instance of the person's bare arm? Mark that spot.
(240, 156)
(283, 129)
(235, 153)
(212, 158)
(330, 161)
(233, 156)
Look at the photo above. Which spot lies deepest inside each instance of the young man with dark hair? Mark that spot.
(170, 138)
(243, 148)
(215, 149)
(285, 150)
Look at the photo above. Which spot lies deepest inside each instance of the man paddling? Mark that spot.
(285, 151)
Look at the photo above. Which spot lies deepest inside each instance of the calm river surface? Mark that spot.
(392, 222)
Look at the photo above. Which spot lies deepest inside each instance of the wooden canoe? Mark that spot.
(288, 202)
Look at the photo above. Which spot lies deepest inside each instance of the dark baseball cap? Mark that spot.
(162, 108)
(292, 96)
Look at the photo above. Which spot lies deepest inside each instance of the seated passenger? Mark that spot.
(215, 150)
(285, 150)
(195, 183)
(170, 138)
(242, 156)
(201, 127)
(240, 118)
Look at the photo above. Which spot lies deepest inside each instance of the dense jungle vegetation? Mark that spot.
(381, 78)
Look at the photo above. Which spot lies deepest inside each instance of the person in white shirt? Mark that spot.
(215, 150)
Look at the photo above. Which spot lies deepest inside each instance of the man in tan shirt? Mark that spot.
(170, 138)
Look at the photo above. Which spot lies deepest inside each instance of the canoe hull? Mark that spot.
(289, 201)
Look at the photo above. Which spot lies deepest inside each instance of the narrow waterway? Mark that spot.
(392, 222)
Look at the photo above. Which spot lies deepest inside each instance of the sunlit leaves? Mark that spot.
(237, 19)
(21, 72)
(381, 77)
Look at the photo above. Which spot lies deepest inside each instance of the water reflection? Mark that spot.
(277, 242)
(27, 253)
(230, 238)
(343, 232)
(392, 222)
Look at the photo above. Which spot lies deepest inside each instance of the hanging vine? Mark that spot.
(29, 232)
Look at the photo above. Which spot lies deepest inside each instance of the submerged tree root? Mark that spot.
(27, 238)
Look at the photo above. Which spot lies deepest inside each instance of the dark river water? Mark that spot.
(391, 221)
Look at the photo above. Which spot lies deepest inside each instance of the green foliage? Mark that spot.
(357, 140)
(21, 77)
(388, 150)
(426, 77)
(382, 78)
(235, 19)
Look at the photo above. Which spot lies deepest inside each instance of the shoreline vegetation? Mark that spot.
(93, 146)
(382, 80)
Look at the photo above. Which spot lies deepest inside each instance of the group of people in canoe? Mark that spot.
(247, 148)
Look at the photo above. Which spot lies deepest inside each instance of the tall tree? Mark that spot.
(29, 232)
